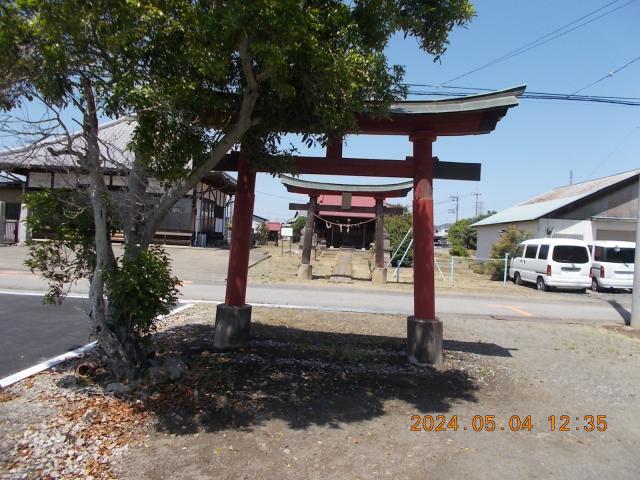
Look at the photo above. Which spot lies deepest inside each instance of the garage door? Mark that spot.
(619, 235)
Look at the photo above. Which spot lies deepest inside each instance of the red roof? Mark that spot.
(336, 200)
(274, 226)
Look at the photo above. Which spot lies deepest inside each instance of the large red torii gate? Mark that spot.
(422, 122)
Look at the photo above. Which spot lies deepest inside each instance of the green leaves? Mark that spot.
(318, 62)
(140, 289)
(397, 227)
(64, 218)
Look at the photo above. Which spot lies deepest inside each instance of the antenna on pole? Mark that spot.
(477, 203)
(570, 177)
(455, 198)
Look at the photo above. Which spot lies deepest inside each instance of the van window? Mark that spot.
(619, 255)
(544, 252)
(519, 251)
(598, 254)
(570, 254)
(531, 251)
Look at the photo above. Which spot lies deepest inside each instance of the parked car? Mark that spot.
(612, 265)
(552, 263)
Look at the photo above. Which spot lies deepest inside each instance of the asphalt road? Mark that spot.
(31, 332)
(562, 307)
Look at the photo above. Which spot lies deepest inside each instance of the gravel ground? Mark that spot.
(325, 395)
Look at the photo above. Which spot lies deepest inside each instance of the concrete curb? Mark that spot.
(78, 352)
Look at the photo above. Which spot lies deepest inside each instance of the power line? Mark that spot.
(608, 75)
(615, 100)
(545, 38)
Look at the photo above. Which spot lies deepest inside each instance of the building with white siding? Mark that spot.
(602, 209)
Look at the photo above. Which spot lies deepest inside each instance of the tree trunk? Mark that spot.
(123, 356)
(136, 238)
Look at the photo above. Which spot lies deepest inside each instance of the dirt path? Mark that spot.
(342, 270)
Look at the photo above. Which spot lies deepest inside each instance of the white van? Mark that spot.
(552, 263)
(612, 265)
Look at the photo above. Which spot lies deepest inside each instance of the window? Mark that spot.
(619, 255)
(531, 251)
(544, 252)
(570, 254)
(597, 254)
(519, 251)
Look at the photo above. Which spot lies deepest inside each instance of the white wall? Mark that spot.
(615, 230)
(548, 227)
(490, 234)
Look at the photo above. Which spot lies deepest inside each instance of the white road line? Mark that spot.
(52, 362)
(39, 294)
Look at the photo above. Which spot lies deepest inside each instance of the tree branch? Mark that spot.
(232, 136)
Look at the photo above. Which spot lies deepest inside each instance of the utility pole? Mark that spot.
(477, 203)
(455, 198)
(570, 177)
(635, 297)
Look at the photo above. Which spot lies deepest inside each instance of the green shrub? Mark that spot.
(261, 237)
(141, 289)
(397, 227)
(298, 226)
(507, 243)
(458, 251)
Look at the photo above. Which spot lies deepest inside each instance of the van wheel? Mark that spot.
(541, 285)
(595, 288)
(517, 279)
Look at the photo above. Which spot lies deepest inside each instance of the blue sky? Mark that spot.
(538, 143)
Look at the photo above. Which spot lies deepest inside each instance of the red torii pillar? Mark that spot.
(233, 317)
(424, 330)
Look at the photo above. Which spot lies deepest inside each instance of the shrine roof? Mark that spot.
(336, 200)
(297, 185)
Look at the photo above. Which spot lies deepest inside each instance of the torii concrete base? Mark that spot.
(424, 341)
(305, 272)
(232, 326)
(379, 275)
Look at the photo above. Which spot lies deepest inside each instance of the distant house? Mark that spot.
(274, 231)
(199, 218)
(441, 232)
(256, 222)
(602, 209)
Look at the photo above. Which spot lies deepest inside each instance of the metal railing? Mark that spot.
(461, 272)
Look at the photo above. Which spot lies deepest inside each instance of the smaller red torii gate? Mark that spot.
(315, 189)
(422, 122)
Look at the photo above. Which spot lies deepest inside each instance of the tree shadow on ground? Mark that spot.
(623, 312)
(304, 378)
